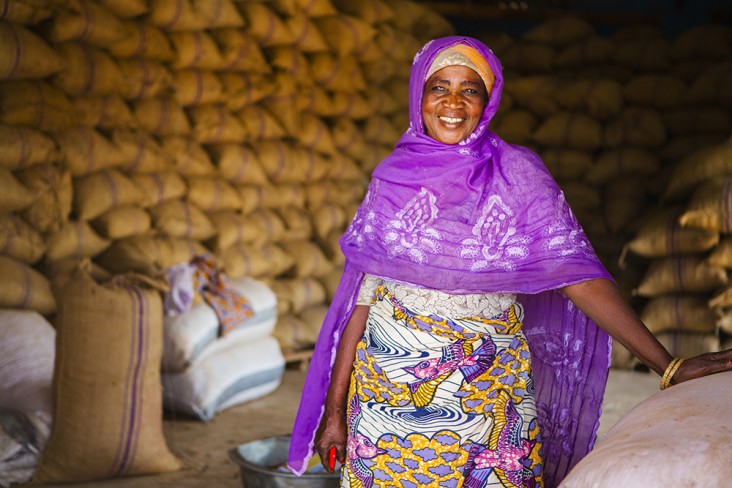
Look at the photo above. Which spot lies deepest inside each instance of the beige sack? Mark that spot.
(54, 191)
(195, 15)
(316, 8)
(149, 255)
(331, 245)
(348, 137)
(709, 207)
(255, 261)
(560, 30)
(592, 50)
(657, 91)
(685, 345)
(159, 187)
(679, 313)
(144, 40)
(240, 51)
(334, 73)
(314, 99)
(181, 219)
(661, 235)
(681, 274)
(121, 222)
(305, 36)
(698, 121)
(637, 127)
(214, 124)
(238, 164)
(703, 41)
(310, 261)
(566, 164)
(162, 117)
(270, 196)
(378, 129)
(328, 218)
(74, 240)
(711, 162)
(353, 105)
(24, 287)
(127, 9)
(14, 195)
(96, 193)
(85, 151)
(644, 55)
(145, 78)
(36, 104)
(570, 129)
(529, 57)
(298, 226)
(292, 333)
(399, 44)
(212, 194)
(25, 55)
(623, 162)
(343, 168)
(19, 240)
(266, 26)
(304, 293)
(721, 255)
(243, 89)
(233, 227)
(260, 123)
(21, 148)
(283, 103)
(535, 93)
(345, 34)
(315, 134)
(196, 87)
(105, 112)
(516, 127)
(600, 99)
(624, 201)
(88, 22)
(141, 152)
(107, 394)
(88, 71)
(705, 90)
(195, 50)
(26, 12)
(286, 163)
(189, 158)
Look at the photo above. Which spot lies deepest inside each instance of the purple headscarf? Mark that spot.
(480, 216)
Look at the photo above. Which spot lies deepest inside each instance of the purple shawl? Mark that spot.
(481, 216)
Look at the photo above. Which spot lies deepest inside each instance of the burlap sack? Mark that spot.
(328, 218)
(622, 162)
(638, 31)
(232, 228)
(181, 219)
(283, 103)
(372, 12)
(316, 8)
(343, 168)
(265, 25)
(96, 193)
(144, 40)
(260, 123)
(709, 207)
(702, 164)
(372, 156)
(239, 51)
(681, 274)
(195, 15)
(127, 9)
(345, 34)
(269, 226)
(141, 152)
(162, 117)
(591, 50)
(680, 313)
(74, 240)
(560, 31)
(698, 120)
(255, 261)
(314, 99)
(624, 201)
(390, 41)
(14, 195)
(22, 147)
(321, 193)
(285, 163)
(88, 71)
(238, 164)
(681, 147)
(705, 90)
(54, 190)
(36, 104)
(600, 99)
(315, 134)
(644, 55)
(24, 287)
(661, 235)
(689, 70)
(19, 240)
(305, 36)
(88, 22)
(637, 127)
(148, 254)
(570, 129)
(313, 317)
(378, 129)
(25, 55)
(243, 89)
(26, 12)
(298, 226)
(85, 151)
(703, 41)
(353, 105)
(685, 345)
(529, 57)
(347, 137)
(159, 187)
(145, 78)
(189, 158)
(121, 222)
(378, 71)
(214, 124)
(289, 59)
(105, 112)
(655, 90)
(107, 393)
(381, 102)
(331, 245)
(725, 323)
(516, 127)
(303, 293)
(291, 332)
(196, 87)
(721, 255)
(212, 194)
(271, 196)
(566, 164)
(721, 300)
(535, 93)
(621, 357)
(195, 49)
(334, 73)
(309, 259)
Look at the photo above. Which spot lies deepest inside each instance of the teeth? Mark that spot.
(451, 120)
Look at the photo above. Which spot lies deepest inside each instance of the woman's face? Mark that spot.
(452, 103)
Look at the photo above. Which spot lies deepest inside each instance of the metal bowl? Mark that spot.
(258, 461)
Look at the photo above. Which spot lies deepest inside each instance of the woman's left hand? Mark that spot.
(703, 365)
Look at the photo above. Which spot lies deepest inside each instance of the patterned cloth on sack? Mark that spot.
(231, 308)
(478, 217)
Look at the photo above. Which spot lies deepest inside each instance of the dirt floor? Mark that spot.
(204, 447)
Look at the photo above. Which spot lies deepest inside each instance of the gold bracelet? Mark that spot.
(670, 371)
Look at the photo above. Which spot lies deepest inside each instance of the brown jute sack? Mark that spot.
(144, 40)
(721, 255)
(265, 25)
(270, 227)
(96, 193)
(19, 240)
(353, 105)
(680, 147)
(148, 254)
(378, 129)
(314, 99)
(85, 151)
(679, 313)
(244, 89)
(655, 90)
(195, 15)
(581, 195)
(588, 51)
(74, 240)
(304, 292)
(327, 219)
(240, 51)
(238, 164)
(331, 245)
(682, 344)
(722, 299)
(141, 152)
(107, 393)
(702, 164)
(261, 123)
(316, 8)
(334, 73)
(704, 41)
(21, 147)
(270, 196)
(570, 129)
(88, 71)
(126, 9)
(345, 34)
(623, 162)
(348, 137)
(159, 187)
(298, 226)
(24, 287)
(402, 45)
(212, 194)
(54, 191)
(231, 228)
(343, 168)
(189, 157)
(26, 12)
(162, 117)
(313, 318)
(145, 78)
(709, 207)
(644, 55)
(121, 222)
(560, 31)
(636, 126)
(516, 127)
(310, 261)
(306, 37)
(257, 261)
(698, 120)
(25, 55)
(289, 59)
(566, 164)
(86, 21)
(195, 49)
(624, 201)
(196, 87)
(291, 332)
(36, 104)
(214, 124)
(662, 235)
(14, 195)
(105, 112)
(681, 274)
(707, 87)
(181, 219)
(315, 134)
(600, 99)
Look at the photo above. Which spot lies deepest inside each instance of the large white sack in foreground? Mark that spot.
(678, 437)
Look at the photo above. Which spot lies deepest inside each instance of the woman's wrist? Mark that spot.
(668, 374)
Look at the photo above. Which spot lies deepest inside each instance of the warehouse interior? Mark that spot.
(141, 137)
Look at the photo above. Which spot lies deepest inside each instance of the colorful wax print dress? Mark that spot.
(441, 394)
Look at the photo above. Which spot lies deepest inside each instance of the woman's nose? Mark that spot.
(453, 99)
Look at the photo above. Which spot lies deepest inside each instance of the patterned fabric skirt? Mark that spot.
(441, 402)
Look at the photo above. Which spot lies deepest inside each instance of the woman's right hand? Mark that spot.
(332, 432)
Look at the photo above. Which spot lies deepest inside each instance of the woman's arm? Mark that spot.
(601, 301)
(333, 430)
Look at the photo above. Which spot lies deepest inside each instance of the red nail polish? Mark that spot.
(332, 458)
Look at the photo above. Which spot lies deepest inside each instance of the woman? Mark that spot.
(461, 345)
